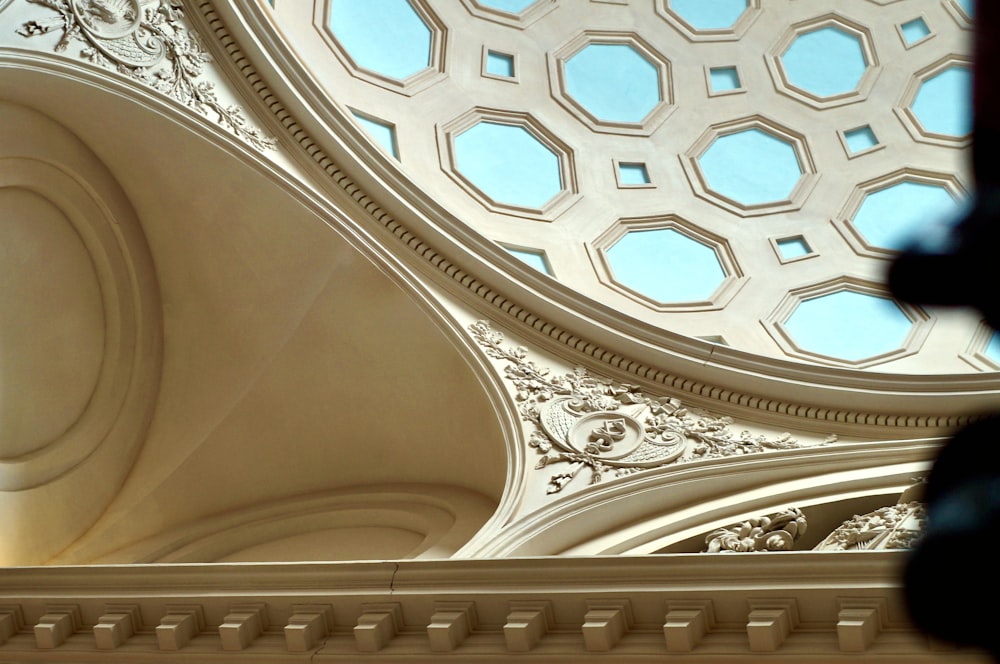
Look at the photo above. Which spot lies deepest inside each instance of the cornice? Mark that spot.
(550, 314)
(694, 606)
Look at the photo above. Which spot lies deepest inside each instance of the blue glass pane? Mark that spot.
(633, 174)
(385, 36)
(915, 30)
(535, 259)
(793, 247)
(969, 6)
(825, 62)
(709, 14)
(508, 164)
(751, 167)
(993, 348)
(849, 325)
(614, 82)
(500, 64)
(385, 134)
(860, 139)
(944, 102)
(891, 217)
(724, 78)
(666, 266)
(512, 6)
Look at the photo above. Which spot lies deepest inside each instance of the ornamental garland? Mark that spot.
(608, 428)
(148, 43)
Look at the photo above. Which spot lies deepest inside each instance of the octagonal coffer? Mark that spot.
(885, 215)
(397, 44)
(612, 82)
(709, 20)
(937, 104)
(514, 13)
(847, 322)
(963, 11)
(984, 350)
(509, 162)
(509, 6)
(751, 167)
(667, 263)
(827, 61)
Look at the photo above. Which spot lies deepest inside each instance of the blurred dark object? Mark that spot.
(953, 577)
(957, 268)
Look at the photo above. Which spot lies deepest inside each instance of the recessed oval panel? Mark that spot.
(51, 351)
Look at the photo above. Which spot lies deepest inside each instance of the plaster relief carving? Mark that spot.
(611, 428)
(147, 41)
(893, 527)
(774, 532)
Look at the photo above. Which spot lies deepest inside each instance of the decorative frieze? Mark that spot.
(893, 527)
(774, 532)
(659, 606)
(148, 41)
(608, 428)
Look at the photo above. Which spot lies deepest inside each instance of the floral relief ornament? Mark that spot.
(608, 428)
(146, 41)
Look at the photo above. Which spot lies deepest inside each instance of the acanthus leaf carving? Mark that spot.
(612, 429)
(148, 42)
(774, 532)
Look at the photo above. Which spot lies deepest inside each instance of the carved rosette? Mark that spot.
(774, 532)
(583, 421)
(894, 527)
(148, 41)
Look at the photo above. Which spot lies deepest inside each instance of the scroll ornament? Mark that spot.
(775, 532)
(608, 428)
(147, 41)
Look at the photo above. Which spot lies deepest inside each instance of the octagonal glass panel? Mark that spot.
(751, 167)
(666, 265)
(943, 104)
(993, 348)
(384, 36)
(849, 325)
(508, 164)
(614, 82)
(825, 62)
(512, 6)
(709, 14)
(891, 217)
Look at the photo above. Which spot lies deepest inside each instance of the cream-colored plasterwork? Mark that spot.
(150, 43)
